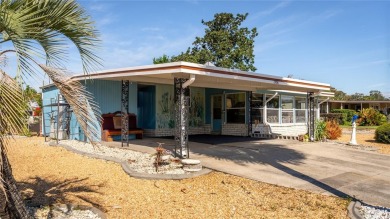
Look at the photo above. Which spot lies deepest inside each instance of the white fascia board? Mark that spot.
(226, 76)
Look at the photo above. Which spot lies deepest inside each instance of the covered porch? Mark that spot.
(181, 98)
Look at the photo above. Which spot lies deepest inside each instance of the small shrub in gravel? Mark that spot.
(382, 133)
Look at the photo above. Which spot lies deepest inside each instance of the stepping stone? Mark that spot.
(191, 165)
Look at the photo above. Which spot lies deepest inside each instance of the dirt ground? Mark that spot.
(366, 138)
(48, 175)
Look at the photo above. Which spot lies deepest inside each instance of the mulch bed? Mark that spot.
(49, 175)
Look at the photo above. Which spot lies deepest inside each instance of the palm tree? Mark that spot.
(39, 31)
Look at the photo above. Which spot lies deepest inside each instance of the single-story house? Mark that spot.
(382, 105)
(221, 101)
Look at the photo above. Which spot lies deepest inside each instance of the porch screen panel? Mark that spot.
(235, 108)
(273, 109)
(287, 109)
(257, 105)
(300, 109)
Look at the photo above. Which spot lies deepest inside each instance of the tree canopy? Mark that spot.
(373, 95)
(225, 44)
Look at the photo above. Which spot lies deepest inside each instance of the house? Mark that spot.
(382, 105)
(221, 101)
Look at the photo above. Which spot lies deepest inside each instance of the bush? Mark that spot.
(347, 115)
(332, 116)
(371, 117)
(320, 130)
(382, 133)
(333, 130)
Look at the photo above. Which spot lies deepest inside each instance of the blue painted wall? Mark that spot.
(49, 95)
(108, 95)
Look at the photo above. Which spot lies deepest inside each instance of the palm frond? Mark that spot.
(13, 114)
(13, 108)
(80, 100)
(43, 28)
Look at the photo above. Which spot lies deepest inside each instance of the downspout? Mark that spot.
(318, 107)
(189, 82)
(265, 108)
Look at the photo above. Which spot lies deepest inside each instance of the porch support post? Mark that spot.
(327, 106)
(181, 117)
(311, 113)
(125, 112)
(250, 113)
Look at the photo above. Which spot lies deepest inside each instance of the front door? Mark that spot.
(216, 113)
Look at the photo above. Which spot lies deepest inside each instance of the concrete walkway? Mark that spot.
(327, 168)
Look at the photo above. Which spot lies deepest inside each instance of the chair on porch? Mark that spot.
(112, 126)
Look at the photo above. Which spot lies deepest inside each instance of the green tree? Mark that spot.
(376, 95)
(39, 29)
(32, 95)
(163, 59)
(225, 44)
(357, 96)
(339, 95)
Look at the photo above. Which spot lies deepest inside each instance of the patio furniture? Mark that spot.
(112, 123)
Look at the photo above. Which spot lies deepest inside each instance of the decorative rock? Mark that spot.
(191, 165)
(190, 162)
(165, 157)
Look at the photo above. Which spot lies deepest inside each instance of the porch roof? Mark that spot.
(360, 101)
(210, 77)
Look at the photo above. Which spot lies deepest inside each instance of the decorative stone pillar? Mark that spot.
(182, 102)
(125, 112)
(311, 115)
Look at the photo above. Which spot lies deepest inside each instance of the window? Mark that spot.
(300, 109)
(287, 109)
(235, 108)
(257, 105)
(272, 109)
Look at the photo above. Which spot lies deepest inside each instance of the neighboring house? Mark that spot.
(222, 101)
(382, 105)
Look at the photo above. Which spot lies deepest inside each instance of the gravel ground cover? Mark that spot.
(139, 162)
(374, 212)
(366, 138)
(54, 212)
(51, 175)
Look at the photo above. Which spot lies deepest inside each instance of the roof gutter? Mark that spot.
(189, 82)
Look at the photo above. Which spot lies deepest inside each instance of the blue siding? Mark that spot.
(49, 95)
(108, 95)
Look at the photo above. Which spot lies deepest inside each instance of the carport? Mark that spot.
(183, 75)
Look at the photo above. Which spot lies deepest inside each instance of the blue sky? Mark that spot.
(343, 43)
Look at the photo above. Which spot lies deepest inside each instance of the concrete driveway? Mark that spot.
(327, 168)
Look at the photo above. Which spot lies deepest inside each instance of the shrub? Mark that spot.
(371, 117)
(320, 130)
(382, 133)
(332, 116)
(347, 115)
(333, 130)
